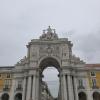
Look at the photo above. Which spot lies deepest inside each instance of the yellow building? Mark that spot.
(94, 75)
(5, 78)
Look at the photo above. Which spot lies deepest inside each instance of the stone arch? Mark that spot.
(96, 96)
(49, 61)
(82, 96)
(18, 96)
(5, 96)
(45, 63)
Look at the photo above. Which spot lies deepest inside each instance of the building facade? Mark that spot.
(23, 81)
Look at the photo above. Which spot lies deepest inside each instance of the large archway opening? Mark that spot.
(96, 96)
(5, 96)
(50, 81)
(82, 96)
(18, 96)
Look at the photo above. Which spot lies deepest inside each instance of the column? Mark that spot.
(37, 87)
(34, 87)
(12, 89)
(29, 88)
(75, 88)
(62, 89)
(89, 94)
(24, 89)
(70, 88)
(65, 88)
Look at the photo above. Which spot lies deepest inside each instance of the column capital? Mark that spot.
(71, 74)
(30, 75)
(35, 75)
(62, 74)
(26, 74)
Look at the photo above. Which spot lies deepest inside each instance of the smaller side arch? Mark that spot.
(82, 96)
(5, 96)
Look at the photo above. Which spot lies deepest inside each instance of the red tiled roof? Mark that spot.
(92, 65)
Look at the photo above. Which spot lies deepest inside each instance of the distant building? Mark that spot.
(78, 80)
(46, 95)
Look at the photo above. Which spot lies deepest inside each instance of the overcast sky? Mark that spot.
(52, 80)
(23, 20)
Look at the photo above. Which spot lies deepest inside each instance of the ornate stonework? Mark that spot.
(48, 50)
(49, 34)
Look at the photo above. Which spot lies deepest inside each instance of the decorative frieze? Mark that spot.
(49, 50)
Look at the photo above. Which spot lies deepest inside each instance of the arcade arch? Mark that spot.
(96, 96)
(5, 96)
(18, 96)
(82, 96)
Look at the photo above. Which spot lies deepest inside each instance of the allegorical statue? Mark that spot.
(49, 34)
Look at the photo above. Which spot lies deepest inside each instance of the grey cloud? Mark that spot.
(87, 46)
(22, 20)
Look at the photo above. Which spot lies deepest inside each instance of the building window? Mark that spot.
(19, 86)
(81, 86)
(94, 83)
(80, 82)
(7, 85)
(8, 75)
(93, 74)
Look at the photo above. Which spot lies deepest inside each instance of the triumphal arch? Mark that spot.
(23, 81)
(49, 50)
